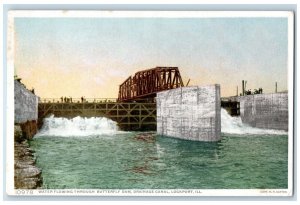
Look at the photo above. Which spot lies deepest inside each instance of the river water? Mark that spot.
(92, 153)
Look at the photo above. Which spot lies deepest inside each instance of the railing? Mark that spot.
(77, 100)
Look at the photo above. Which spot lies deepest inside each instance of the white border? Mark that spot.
(147, 14)
(142, 14)
(153, 192)
(290, 64)
(186, 2)
(10, 107)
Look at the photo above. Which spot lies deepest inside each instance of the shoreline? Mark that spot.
(26, 174)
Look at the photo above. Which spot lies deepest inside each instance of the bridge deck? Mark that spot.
(129, 116)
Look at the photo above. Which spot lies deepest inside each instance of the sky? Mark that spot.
(91, 57)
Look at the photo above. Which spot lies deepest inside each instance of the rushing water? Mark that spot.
(92, 153)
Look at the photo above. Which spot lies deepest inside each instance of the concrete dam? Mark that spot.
(156, 99)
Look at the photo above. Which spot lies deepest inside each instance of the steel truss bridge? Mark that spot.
(145, 84)
(135, 108)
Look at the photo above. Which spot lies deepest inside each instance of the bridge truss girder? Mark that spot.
(145, 84)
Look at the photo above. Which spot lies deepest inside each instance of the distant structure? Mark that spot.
(249, 92)
(144, 85)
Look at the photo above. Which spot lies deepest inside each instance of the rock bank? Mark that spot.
(27, 175)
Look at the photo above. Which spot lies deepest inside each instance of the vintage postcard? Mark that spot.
(150, 103)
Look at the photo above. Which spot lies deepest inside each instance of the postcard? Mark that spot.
(150, 103)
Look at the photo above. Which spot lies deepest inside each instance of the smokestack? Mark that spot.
(243, 87)
(275, 87)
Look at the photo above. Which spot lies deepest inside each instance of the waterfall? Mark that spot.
(234, 125)
(78, 126)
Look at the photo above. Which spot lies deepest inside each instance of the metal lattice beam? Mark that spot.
(129, 116)
(145, 84)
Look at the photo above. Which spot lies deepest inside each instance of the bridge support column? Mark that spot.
(192, 113)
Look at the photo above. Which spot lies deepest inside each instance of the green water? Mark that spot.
(123, 162)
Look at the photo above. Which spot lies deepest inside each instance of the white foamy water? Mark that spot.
(78, 126)
(234, 125)
(82, 126)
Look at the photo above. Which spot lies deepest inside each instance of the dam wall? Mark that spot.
(191, 113)
(267, 111)
(26, 109)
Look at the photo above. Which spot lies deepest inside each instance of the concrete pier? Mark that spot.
(267, 111)
(26, 174)
(26, 110)
(191, 113)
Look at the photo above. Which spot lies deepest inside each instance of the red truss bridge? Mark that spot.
(144, 85)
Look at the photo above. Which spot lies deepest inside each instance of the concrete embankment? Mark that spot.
(26, 110)
(27, 175)
(266, 111)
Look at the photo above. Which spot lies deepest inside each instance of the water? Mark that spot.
(77, 127)
(102, 157)
(234, 125)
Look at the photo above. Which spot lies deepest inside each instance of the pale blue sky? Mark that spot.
(91, 57)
